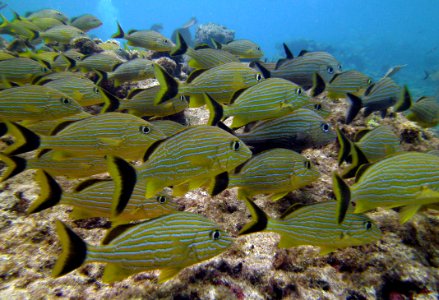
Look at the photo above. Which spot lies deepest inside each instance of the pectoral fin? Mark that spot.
(167, 273)
(407, 212)
(114, 272)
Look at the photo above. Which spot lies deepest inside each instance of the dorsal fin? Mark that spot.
(194, 74)
(263, 70)
(152, 148)
(288, 53)
(132, 31)
(60, 126)
(290, 209)
(134, 92)
(86, 183)
(202, 46)
(360, 134)
(117, 231)
(303, 52)
(361, 171)
(236, 95)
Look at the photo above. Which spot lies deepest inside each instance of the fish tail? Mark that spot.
(263, 70)
(318, 86)
(345, 146)
(343, 195)
(404, 102)
(354, 108)
(219, 184)
(216, 110)
(168, 85)
(426, 75)
(119, 34)
(14, 165)
(50, 192)
(358, 159)
(216, 44)
(181, 46)
(25, 139)
(3, 129)
(259, 220)
(124, 176)
(74, 250)
(111, 102)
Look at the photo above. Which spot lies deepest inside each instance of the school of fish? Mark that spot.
(62, 108)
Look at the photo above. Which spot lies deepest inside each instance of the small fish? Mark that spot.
(221, 83)
(132, 70)
(244, 49)
(141, 103)
(373, 144)
(106, 134)
(47, 13)
(22, 69)
(54, 164)
(352, 81)
(104, 62)
(168, 127)
(192, 21)
(425, 112)
(378, 97)
(203, 58)
(62, 34)
(85, 22)
(66, 60)
(168, 243)
(34, 102)
(393, 70)
(147, 39)
(409, 180)
(18, 28)
(297, 131)
(276, 172)
(93, 198)
(194, 157)
(273, 97)
(83, 90)
(302, 68)
(314, 225)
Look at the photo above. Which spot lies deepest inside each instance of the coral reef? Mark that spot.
(205, 32)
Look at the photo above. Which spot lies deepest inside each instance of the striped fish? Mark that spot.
(140, 102)
(85, 22)
(93, 198)
(34, 102)
(203, 58)
(19, 28)
(55, 164)
(98, 61)
(301, 69)
(221, 83)
(378, 97)
(21, 69)
(244, 49)
(62, 34)
(425, 112)
(58, 75)
(274, 97)
(47, 13)
(147, 39)
(195, 157)
(409, 180)
(314, 225)
(351, 81)
(297, 131)
(168, 127)
(107, 134)
(83, 90)
(62, 62)
(168, 243)
(276, 172)
(374, 144)
(132, 70)
(46, 23)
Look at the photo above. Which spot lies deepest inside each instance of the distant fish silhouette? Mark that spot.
(3, 5)
(185, 32)
(157, 27)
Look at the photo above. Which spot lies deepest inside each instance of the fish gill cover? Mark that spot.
(127, 171)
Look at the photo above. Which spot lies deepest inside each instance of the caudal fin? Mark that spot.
(124, 176)
(50, 192)
(119, 34)
(25, 139)
(14, 165)
(181, 46)
(259, 219)
(74, 250)
(216, 110)
(168, 85)
(343, 196)
(345, 146)
(354, 108)
(318, 86)
(404, 102)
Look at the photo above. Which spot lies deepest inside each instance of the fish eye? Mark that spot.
(65, 100)
(325, 127)
(307, 164)
(78, 57)
(43, 69)
(339, 67)
(96, 90)
(258, 77)
(369, 81)
(318, 106)
(299, 91)
(236, 145)
(330, 69)
(144, 129)
(215, 234)
(165, 41)
(259, 48)
(183, 98)
(368, 225)
(161, 199)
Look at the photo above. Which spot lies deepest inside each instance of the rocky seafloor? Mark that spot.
(403, 264)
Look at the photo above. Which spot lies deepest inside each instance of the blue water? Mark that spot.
(370, 36)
